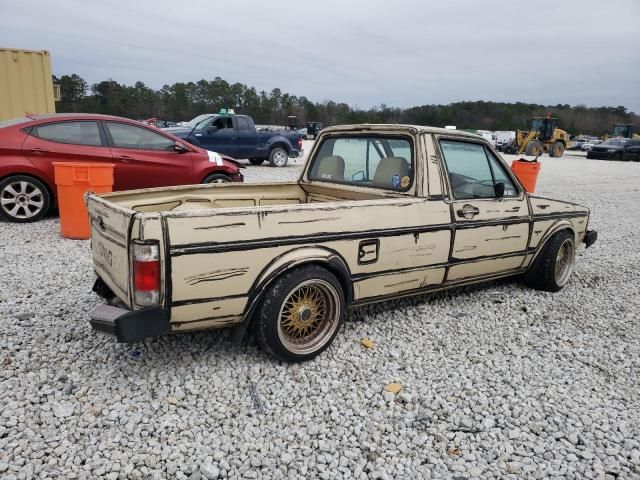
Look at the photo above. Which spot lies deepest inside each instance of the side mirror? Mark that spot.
(211, 130)
(180, 148)
(499, 189)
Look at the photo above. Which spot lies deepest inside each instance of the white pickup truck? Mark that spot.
(379, 212)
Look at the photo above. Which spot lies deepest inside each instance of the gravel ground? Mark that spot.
(498, 381)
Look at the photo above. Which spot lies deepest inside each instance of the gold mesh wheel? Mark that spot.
(564, 262)
(309, 316)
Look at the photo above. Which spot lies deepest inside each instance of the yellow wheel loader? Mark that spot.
(542, 136)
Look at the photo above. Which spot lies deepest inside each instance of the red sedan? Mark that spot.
(143, 156)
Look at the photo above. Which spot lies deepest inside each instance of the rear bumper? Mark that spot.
(130, 325)
(590, 238)
(296, 153)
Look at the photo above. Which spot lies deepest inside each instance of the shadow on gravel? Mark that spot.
(360, 314)
(188, 349)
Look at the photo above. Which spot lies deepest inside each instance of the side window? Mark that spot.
(472, 172)
(131, 136)
(77, 133)
(501, 176)
(222, 122)
(376, 161)
(243, 124)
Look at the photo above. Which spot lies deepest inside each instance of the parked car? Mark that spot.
(373, 217)
(144, 156)
(616, 149)
(587, 145)
(576, 144)
(236, 135)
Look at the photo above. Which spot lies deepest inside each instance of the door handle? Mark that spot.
(125, 158)
(40, 150)
(468, 211)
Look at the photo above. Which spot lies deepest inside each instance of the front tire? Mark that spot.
(216, 178)
(23, 199)
(300, 314)
(278, 157)
(534, 148)
(552, 268)
(557, 150)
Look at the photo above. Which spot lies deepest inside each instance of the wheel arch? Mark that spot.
(279, 143)
(215, 171)
(557, 227)
(321, 256)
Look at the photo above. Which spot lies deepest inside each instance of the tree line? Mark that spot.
(183, 101)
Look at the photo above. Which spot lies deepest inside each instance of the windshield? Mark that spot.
(195, 121)
(615, 141)
(15, 121)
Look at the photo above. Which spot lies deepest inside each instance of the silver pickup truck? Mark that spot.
(379, 212)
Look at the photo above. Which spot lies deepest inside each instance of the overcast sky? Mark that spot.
(363, 52)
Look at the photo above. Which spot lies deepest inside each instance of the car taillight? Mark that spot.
(299, 143)
(146, 273)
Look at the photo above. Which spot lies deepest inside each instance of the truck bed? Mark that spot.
(208, 233)
(203, 197)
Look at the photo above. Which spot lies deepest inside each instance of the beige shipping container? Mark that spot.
(26, 85)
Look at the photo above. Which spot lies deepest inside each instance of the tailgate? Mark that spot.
(109, 244)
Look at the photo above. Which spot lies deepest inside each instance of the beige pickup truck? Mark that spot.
(379, 212)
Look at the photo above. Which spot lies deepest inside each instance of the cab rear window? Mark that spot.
(383, 162)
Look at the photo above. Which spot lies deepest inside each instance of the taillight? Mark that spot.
(146, 273)
(300, 144)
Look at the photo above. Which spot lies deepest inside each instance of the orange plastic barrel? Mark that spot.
(73, 180)
(527, 173)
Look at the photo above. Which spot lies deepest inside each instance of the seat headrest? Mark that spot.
(330, 168)
(388, 168)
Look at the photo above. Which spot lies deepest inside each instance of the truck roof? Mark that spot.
(399, 127)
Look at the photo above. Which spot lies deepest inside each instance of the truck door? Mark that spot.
(247, 142)
(489, 211)
(220, 137)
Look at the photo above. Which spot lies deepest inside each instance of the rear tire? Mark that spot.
(552, 267)
(300, 314)
(278, 157)
(534, 148)
(216, 178)
(557, 149)
(23, 199)
(256, 161)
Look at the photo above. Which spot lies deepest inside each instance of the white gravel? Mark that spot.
(499, 381)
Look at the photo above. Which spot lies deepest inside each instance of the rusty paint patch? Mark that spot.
(406, 282)
(309, 221)
(216, 275)
(226, 225)
(502, 238)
